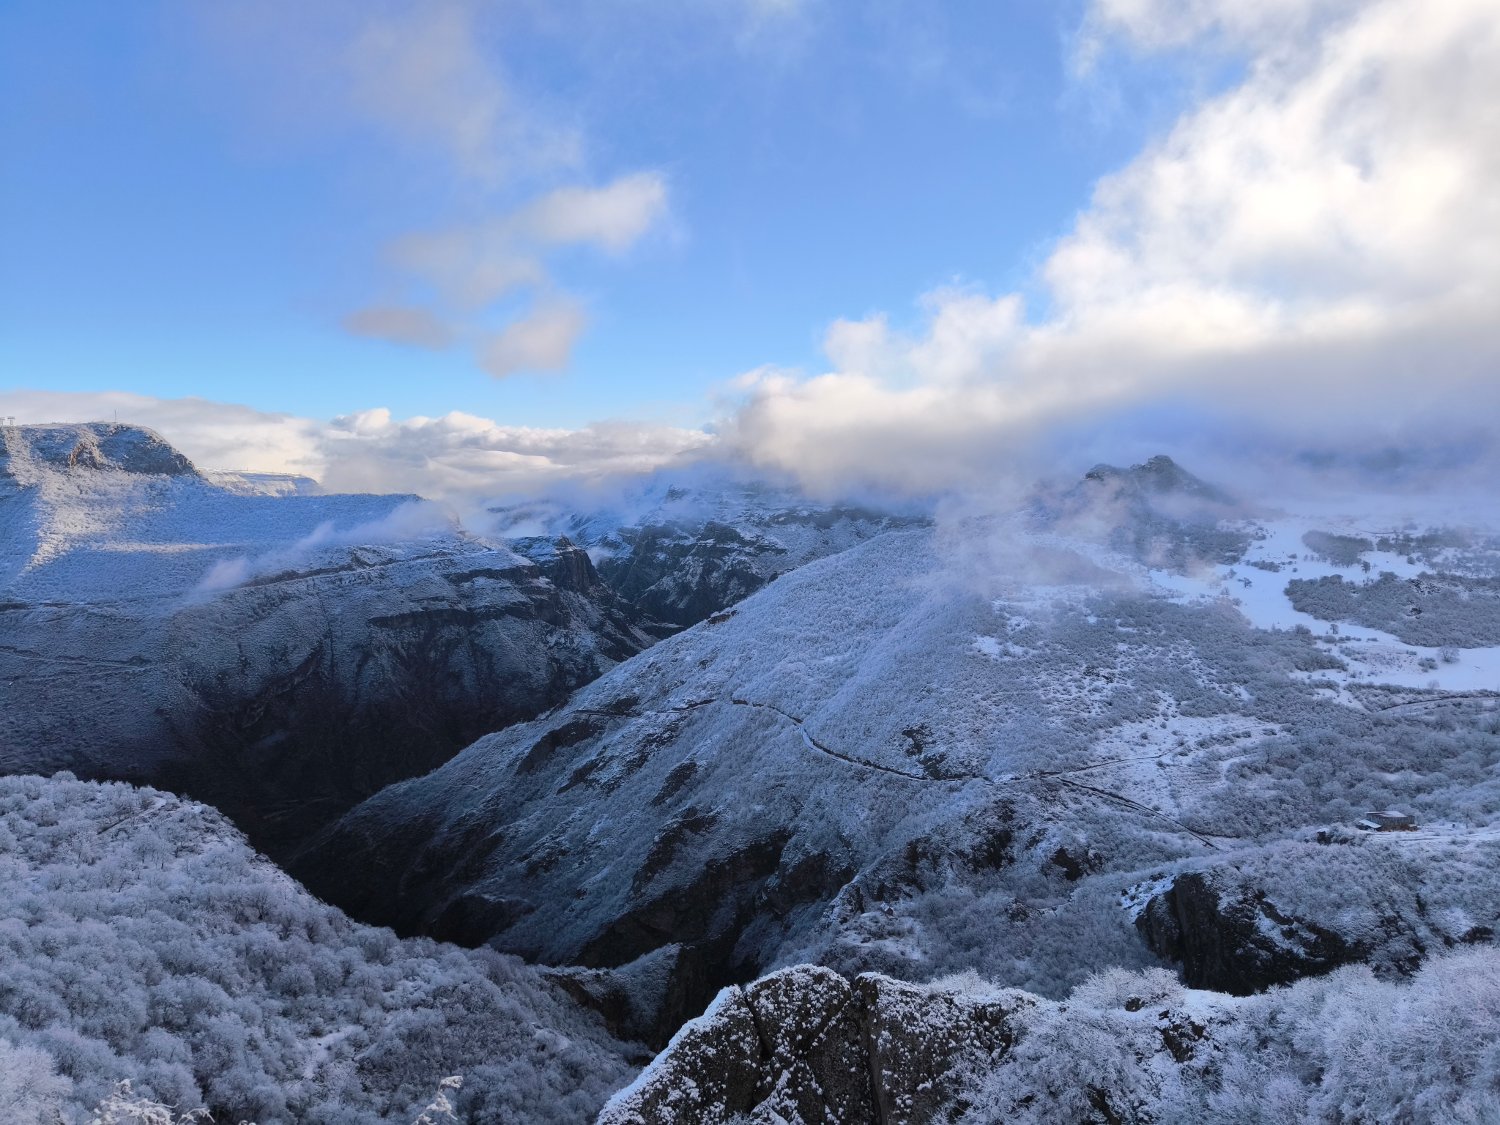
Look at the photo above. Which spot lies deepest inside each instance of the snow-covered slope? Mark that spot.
(943, 749)
(142, 939)
(277, 654)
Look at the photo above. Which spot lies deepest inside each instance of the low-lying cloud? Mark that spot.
(417, 520)
(458, 458)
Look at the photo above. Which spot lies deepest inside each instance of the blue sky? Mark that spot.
(174, 229)
(389, 242)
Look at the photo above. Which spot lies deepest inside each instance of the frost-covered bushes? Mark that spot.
(123, 1106)
(1341, 550)
(31, 1090)
(1433, 610)
(1341, 1048)
(1339, 763)
(141, 938)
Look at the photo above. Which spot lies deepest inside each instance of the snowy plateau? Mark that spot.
(704, 801)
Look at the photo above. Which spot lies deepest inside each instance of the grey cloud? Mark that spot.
(400, 325)
(540, 341)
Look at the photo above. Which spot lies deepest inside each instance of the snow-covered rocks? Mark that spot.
(806, 1045)
(28, 451)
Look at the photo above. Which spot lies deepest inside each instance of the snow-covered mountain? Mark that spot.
(280, 654)
(1006, 744)
(1092, 747)
(678, 554)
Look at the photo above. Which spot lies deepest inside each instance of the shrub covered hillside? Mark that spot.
(141, 939)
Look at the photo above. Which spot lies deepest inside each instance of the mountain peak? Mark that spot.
(91, 446)
(1159, 475)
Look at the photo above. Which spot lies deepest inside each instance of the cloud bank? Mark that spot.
(457, 458)
(1316, 250)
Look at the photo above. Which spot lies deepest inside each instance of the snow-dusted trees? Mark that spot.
(1341, 1048)
(140, 938)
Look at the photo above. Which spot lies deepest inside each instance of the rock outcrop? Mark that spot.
(1157, 512)
(1304, 909)
(686, 553)
(806, 1045)
(1234, 939)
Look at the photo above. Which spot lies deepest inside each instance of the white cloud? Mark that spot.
(422, 73)
(474, 265)
(614, 216)
(1268, 25)
(1318, 247)
(457, 458)
(461, 457)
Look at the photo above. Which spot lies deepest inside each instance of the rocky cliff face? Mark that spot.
(1234, 939)
(806, 1045)
(1303, 910)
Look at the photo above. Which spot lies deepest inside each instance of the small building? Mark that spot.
(1387, 821)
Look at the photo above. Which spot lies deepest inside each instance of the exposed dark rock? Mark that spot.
(806, 1045)
(703, 909)
(570, 733)
(675, 569)
(1231, 939)
(677, 576)
(562, 561)
(647, 1000)
(1073, 867)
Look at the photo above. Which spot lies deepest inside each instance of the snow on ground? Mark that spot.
(1170, 762)
(1371, 655)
